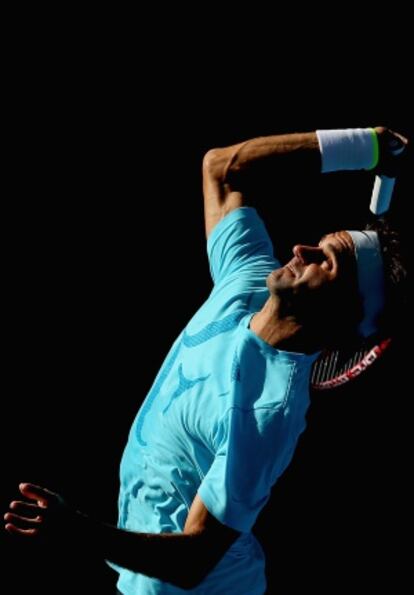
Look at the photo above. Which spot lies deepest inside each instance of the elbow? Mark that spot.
(189, 583)
(192, 579)
(202, 560)
(188, 578)
(192, 572)
(197, 564)
(214, 164)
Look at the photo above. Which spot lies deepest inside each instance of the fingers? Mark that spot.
(26, 509)
(20, 525)
(43, 512)
(24, 522)
(13, 530)
(403, 139)
(34, 492)
(392, 156)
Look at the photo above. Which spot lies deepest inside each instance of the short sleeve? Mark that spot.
(238, 483)
(255, 438)
(239, 242)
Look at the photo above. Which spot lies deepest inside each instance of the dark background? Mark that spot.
(105, 263)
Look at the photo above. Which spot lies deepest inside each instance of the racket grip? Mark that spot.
(381, 194)
(384, 185)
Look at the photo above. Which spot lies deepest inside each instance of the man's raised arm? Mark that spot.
(325, 151)
(223, 168)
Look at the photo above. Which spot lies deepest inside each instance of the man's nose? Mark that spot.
(307, 254)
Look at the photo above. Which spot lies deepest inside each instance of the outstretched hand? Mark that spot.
(393, 149)
(42, 513)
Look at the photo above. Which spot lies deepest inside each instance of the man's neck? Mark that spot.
(285, 333)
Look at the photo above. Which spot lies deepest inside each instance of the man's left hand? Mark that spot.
(41, 513)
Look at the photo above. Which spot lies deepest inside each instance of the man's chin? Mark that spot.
(280, 279)
(273, 278)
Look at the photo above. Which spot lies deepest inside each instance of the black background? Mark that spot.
(104, 263)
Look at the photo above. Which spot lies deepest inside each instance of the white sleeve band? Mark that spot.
(348, 149)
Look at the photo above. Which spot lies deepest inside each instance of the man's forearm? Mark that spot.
(269, 149)
(265, 156)
(183, 559)
(171, 557)
(334, 150)
(236, 174)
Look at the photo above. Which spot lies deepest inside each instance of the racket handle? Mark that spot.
(383, 185)
(381, 194)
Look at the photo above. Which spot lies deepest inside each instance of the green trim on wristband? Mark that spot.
(375, 150)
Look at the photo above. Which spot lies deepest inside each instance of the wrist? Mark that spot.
(84, 530)
(348, 149)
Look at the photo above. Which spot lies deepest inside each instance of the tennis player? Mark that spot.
(223, 417)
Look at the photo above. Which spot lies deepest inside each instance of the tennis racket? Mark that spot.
(336, 368)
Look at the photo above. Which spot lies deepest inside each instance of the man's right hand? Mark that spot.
(393, 149)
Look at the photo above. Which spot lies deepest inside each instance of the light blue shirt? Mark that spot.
(222, 418)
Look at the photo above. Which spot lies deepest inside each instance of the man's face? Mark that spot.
(315, 274)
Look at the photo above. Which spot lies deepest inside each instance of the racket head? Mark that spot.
(336, 368)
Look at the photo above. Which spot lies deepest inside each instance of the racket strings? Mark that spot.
(335, 363)
(337, 367)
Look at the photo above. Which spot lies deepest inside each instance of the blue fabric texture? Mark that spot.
(222, 419)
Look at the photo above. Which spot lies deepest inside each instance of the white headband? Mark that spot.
(370, 278)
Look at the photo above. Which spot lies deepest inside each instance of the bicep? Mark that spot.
(219, 196)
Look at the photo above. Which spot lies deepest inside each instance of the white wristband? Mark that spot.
(348, 149)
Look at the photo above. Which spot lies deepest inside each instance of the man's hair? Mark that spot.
(394, 253)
